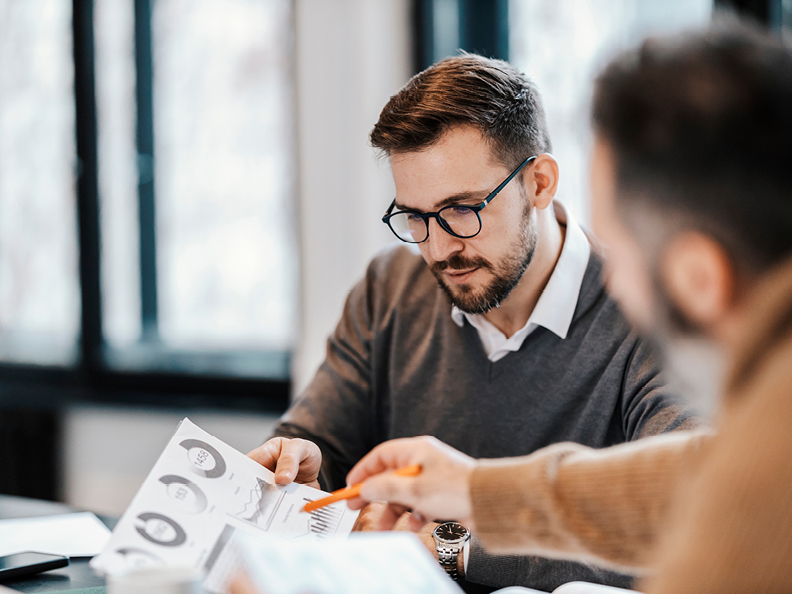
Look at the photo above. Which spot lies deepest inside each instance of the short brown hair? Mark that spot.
(491, 95)
(701, 129)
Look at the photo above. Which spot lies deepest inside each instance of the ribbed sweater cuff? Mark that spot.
(502, 508)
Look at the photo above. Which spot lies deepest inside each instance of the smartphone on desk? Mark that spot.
(27, 563)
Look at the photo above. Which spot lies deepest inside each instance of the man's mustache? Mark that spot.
(457, 262)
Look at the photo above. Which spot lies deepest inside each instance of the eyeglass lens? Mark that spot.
(458, 220)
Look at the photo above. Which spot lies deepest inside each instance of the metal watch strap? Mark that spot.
(448, 560)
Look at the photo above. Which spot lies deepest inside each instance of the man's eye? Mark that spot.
(413, 218)
(461, 211)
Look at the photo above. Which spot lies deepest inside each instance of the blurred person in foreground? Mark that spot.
(692, 191)
(495, 334)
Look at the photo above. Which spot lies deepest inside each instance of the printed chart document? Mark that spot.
(381, 562)
(200, 496)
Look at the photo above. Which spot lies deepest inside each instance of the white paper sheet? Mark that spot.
(200, 493)
(384, 562)
(74, 535)
(587, 588)
(569, 588)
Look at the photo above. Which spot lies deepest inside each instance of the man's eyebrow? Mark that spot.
(472, 198)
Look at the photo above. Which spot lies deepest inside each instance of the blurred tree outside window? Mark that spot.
(39, 281)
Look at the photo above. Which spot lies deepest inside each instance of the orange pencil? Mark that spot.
(354, 490)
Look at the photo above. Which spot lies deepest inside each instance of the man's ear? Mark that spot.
(541, 180)
(700, 278)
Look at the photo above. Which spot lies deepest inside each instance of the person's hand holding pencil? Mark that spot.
(441, 490)
(354, 491)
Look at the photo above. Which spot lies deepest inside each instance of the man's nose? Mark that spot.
(442, 244)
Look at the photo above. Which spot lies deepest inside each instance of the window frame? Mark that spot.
(91, 378)
(482, 28)
(766, 12)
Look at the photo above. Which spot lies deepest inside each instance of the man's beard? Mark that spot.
(694, 364)
(507, 272)
(695, 368)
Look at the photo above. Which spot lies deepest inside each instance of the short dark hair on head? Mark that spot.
(700, 126)
(491, 95)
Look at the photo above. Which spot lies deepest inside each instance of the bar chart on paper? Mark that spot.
(324, 521)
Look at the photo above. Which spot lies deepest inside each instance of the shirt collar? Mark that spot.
(556, 306)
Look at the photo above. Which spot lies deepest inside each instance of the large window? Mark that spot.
(214, 189)
(562, 44)
(147, 193)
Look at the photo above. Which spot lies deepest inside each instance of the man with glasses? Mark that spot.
(460, 221)
(498, 338)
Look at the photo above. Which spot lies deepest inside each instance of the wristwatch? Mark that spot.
(450, 539)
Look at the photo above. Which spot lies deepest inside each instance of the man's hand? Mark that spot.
(241, 584)
(371, 516)
(291, 460)
(370, 519)
(442, 490)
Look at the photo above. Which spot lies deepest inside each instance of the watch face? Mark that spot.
(451, 531)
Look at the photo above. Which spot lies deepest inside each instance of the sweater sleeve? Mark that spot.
(336, 411)
(573, 502)
(648, 407)
(535, 572)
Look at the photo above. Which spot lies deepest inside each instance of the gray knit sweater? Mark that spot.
(398, 366)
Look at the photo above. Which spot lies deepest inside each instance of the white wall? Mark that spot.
(351, 55)
(108, 451)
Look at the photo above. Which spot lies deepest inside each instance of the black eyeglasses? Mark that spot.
(459, 220)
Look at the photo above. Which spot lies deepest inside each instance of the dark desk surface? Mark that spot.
(77, 576)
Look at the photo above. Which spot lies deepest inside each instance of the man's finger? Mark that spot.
(356, 503)
(292, 453)
(390, 516)
(390, 455)
(267, 454)
(394, 489)
(417, 521)
(242, 584)
(290, 459)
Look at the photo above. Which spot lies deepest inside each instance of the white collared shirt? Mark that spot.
(555, 307)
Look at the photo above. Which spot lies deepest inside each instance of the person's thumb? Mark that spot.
(388, 488)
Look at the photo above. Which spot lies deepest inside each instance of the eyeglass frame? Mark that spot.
(476, 208)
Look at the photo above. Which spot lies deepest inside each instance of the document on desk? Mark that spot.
(366, 562)
(79, 534)
(199, 495)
